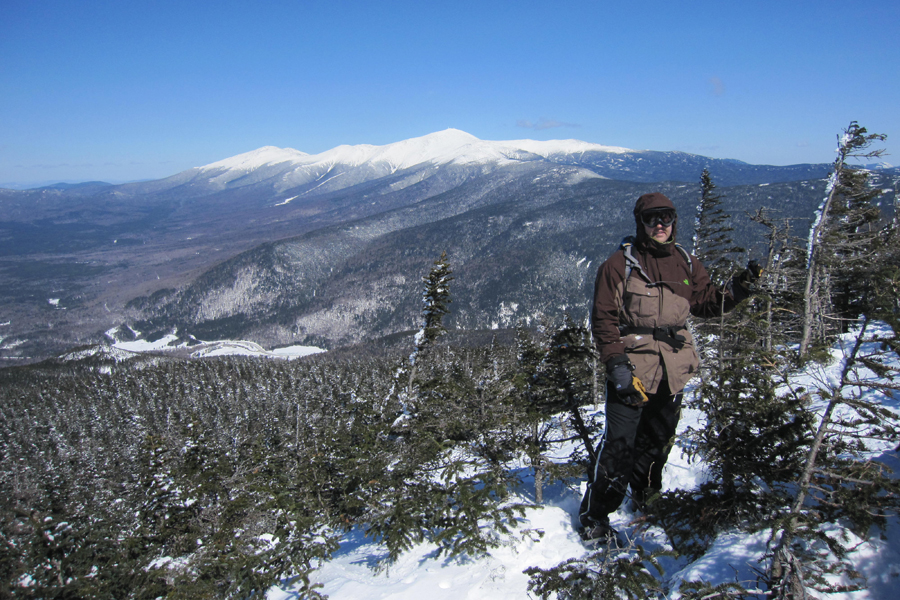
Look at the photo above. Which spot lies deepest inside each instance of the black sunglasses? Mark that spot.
(653, 219)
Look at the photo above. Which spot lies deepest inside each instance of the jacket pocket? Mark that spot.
(642, 303)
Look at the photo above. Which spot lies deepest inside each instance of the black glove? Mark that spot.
(751, 274)
(628, 388)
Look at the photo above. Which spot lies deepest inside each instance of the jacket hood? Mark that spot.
(651, 201)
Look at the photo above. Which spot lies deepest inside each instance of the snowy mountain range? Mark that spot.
(325, 249)
(286, 169)
(450, 146)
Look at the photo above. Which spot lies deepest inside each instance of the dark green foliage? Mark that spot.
(807, 559)
(844, 243)
(713, 245)
(853, 243)
(703, 590)
(884, 292)
(840, 481)
(435, 301)
(567, 380)
(555, 378)
(603, 574)
(197, 465)
(779, 291)
(461, 505)
(753, 442)
(221, 477)
(450, 481)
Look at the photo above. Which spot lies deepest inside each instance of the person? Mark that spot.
(638, 327)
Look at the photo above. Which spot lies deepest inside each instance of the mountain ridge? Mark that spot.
(441, 147)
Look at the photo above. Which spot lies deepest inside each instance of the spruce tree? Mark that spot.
(553, 383)
(784, 274)
(712, 241)
(446, 481)
(841, 481)
(843, 240)
(714, 248)
(435, 303)
(564, 383)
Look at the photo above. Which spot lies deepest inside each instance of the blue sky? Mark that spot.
(118, 91)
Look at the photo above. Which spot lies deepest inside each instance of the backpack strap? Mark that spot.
(686, 256)
(632, 263)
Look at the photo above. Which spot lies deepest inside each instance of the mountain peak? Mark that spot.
(267, 155)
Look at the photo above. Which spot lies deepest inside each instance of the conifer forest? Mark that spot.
(156, 476)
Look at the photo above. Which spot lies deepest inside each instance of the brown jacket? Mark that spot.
(660, 296)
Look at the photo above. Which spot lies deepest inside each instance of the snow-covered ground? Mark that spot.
(548, 537)
(216, 348)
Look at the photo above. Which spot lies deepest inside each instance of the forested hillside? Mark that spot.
(522, 246)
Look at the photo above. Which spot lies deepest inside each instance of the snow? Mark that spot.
(163, 343)
(217, 348)
(295, 351)
(550, 147)
(418, 574)
(548, 537)
(267, 155)
(443, 147)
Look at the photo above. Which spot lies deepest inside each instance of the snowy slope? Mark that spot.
(499, 576)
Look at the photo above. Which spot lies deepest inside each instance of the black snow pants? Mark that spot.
(632, 451)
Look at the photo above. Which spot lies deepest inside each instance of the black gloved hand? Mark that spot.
(628, 388)
(751, 274)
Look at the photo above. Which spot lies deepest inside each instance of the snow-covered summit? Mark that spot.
(442, 147)
(343, 166)
(439, 148)
(261, 157)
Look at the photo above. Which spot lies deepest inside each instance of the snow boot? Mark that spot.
(600, 533)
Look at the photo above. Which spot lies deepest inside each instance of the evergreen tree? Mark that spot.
(552, 385)
(565, 381)
(435, 300)
(783, 277)
(603, 574)
(885, 297)
(435, 304)
(527, 416)
(712, 241)
(843, 241)
(447, 479)
(714, 248)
